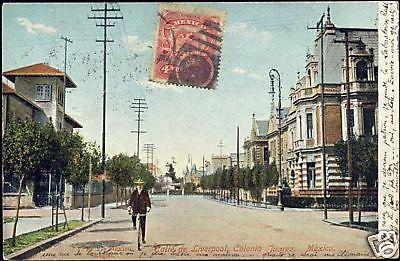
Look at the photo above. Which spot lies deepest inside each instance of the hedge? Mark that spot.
(369, 203)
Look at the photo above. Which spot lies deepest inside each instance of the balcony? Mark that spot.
(367, 86)
(298, 144)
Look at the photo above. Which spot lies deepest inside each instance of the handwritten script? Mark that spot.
(388, 81)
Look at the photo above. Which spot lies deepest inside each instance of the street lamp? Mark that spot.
(273, 73)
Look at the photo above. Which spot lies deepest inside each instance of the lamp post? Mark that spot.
(273, 74)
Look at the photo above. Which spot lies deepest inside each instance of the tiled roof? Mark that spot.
(39, 69)
(7, 88)
(71, 121)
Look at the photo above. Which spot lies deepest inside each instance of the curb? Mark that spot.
(369, 229)
(40, 246)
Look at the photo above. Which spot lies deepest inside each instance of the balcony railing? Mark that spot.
(298, 144)
(367, 86)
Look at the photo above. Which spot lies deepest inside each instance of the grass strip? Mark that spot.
(28, 239)
(8, 220)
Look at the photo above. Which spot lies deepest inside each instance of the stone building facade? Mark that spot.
(302, 121)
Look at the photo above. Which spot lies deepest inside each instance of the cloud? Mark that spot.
(137, 44)
(244, 30)
(33, 28)
(239, 71)
(257, 76)
(155, 85)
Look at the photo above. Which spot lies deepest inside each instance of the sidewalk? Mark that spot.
(42, 218)
(366, 218)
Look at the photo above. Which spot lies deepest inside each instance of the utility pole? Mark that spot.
(59, 182)
(105, 24)
(273, 73)
(66, 41)
(348, 121)
(90, 187)
(220, 145)
(237, 165)
(149, 149)
(320, 26)
(204, 170)
(139, 105)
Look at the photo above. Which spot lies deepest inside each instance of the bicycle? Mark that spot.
(139, 228)
(139, 234)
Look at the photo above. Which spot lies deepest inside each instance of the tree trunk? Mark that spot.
(122, 197)
(57, 203)
(358, 200)
(83, 202)
(126, 199)
(117, 197)
(21, 181)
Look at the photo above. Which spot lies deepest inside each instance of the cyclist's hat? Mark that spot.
(139, 182)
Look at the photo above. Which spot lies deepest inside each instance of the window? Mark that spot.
(60, 95)
(310, 175)
(309, 126)
(43, 92)
(369, 121)
(266, 156)
(362, 71)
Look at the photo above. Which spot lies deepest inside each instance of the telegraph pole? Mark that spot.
(59, 182)
(105, 24)
(220, 145)
(320, 26)
(139, 105)
(66, 41)
(203, 166)
(149, 149)
(237, 165)
(348, 122)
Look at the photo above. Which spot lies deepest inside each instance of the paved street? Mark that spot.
(193, 227)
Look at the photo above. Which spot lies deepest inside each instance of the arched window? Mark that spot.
(362, 71)
(309, 77)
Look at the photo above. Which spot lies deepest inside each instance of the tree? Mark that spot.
(61, 151)
(272, 175)
(364, 160)
(22, 154)
(121, 169)
(80, 155)
(124, 170)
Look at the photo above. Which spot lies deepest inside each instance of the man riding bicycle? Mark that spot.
(139, 203)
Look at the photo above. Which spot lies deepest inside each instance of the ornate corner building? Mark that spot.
(301, 123)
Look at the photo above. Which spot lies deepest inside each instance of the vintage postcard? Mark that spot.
(200, 130)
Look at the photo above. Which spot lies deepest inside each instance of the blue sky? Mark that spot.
(180, 121)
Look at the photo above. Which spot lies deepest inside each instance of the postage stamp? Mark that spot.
(188, 46)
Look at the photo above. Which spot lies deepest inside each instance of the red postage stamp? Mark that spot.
(188, 45)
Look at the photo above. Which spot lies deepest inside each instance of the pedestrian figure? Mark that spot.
(139, 203)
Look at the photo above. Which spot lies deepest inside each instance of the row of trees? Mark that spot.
(254, 179)
(124, 170)
(31, 149)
